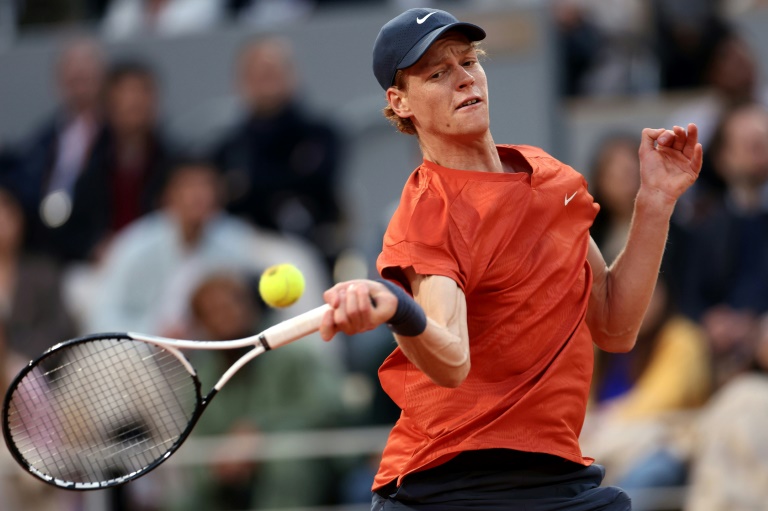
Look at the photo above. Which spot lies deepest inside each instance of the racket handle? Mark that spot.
(293, 329)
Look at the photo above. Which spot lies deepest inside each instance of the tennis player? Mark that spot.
(494, 355)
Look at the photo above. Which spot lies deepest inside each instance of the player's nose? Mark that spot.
(465, 78)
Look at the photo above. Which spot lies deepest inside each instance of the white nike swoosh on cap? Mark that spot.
(422, 20)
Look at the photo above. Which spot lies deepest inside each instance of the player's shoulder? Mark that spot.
(422, 211)
(424, 183)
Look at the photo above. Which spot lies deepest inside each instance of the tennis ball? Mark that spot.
(281, 285)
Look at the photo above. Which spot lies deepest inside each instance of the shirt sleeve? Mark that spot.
(422, 235)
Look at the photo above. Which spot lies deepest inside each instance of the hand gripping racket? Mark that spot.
(102, 410)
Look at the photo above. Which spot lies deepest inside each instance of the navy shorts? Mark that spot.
(503, 480)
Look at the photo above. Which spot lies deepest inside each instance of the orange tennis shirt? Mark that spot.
(516, 244)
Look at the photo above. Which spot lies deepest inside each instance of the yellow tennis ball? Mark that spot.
(281, 285)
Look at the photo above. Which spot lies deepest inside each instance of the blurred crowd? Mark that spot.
(106, 223)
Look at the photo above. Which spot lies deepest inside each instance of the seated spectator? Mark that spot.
(135, 18)
(604, 48)
(289, 390)
(686, 35)
(51, 161)
(150, 268)
(280, 165)
(32, 312)
(726, 275)
(579, 41)
(123, 175)
(728, 468)
(730, 77)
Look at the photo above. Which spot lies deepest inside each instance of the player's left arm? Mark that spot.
(670, 162)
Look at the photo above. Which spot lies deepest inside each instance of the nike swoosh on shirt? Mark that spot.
(422, 20)
(569, 199)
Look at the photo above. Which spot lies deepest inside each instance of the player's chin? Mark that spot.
(472, 122)
(471, 129)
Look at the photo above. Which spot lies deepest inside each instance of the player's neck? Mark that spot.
(478, 154)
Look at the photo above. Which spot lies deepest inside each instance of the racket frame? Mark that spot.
(273, 337)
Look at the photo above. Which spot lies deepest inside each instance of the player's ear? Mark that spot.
(398, 101)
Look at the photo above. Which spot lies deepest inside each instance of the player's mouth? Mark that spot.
(468, 103)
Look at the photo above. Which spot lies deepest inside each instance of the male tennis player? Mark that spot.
(493, 243)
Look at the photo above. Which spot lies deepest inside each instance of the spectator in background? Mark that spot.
(726, 281)
(134, 18)
(605, 48)
(578, 41)
(291, 391)
(149, 271)
(730, 78)
(122, 178)
(281, 165)
(729, 469)
(152, 266)
(686, 35)
(52, 160)
(31, 310)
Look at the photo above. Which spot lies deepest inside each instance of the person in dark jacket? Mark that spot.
(281, 164)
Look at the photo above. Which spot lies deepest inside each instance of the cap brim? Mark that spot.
(473, 32)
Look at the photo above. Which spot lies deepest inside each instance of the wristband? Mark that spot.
(409, 318)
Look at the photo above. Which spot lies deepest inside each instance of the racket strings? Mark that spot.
(108, 409)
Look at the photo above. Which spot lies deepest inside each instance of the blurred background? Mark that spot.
(157, 155)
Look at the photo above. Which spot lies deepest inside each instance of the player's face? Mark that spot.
(446, 91)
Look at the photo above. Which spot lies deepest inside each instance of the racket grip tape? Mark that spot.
(293, 329)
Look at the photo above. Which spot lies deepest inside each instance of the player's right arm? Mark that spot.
(441, 351)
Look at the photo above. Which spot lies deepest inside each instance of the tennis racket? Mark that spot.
(101, 410)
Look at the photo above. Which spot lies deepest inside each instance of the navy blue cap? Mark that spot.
(404, 39)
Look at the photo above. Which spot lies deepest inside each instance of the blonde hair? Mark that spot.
(404, 124)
